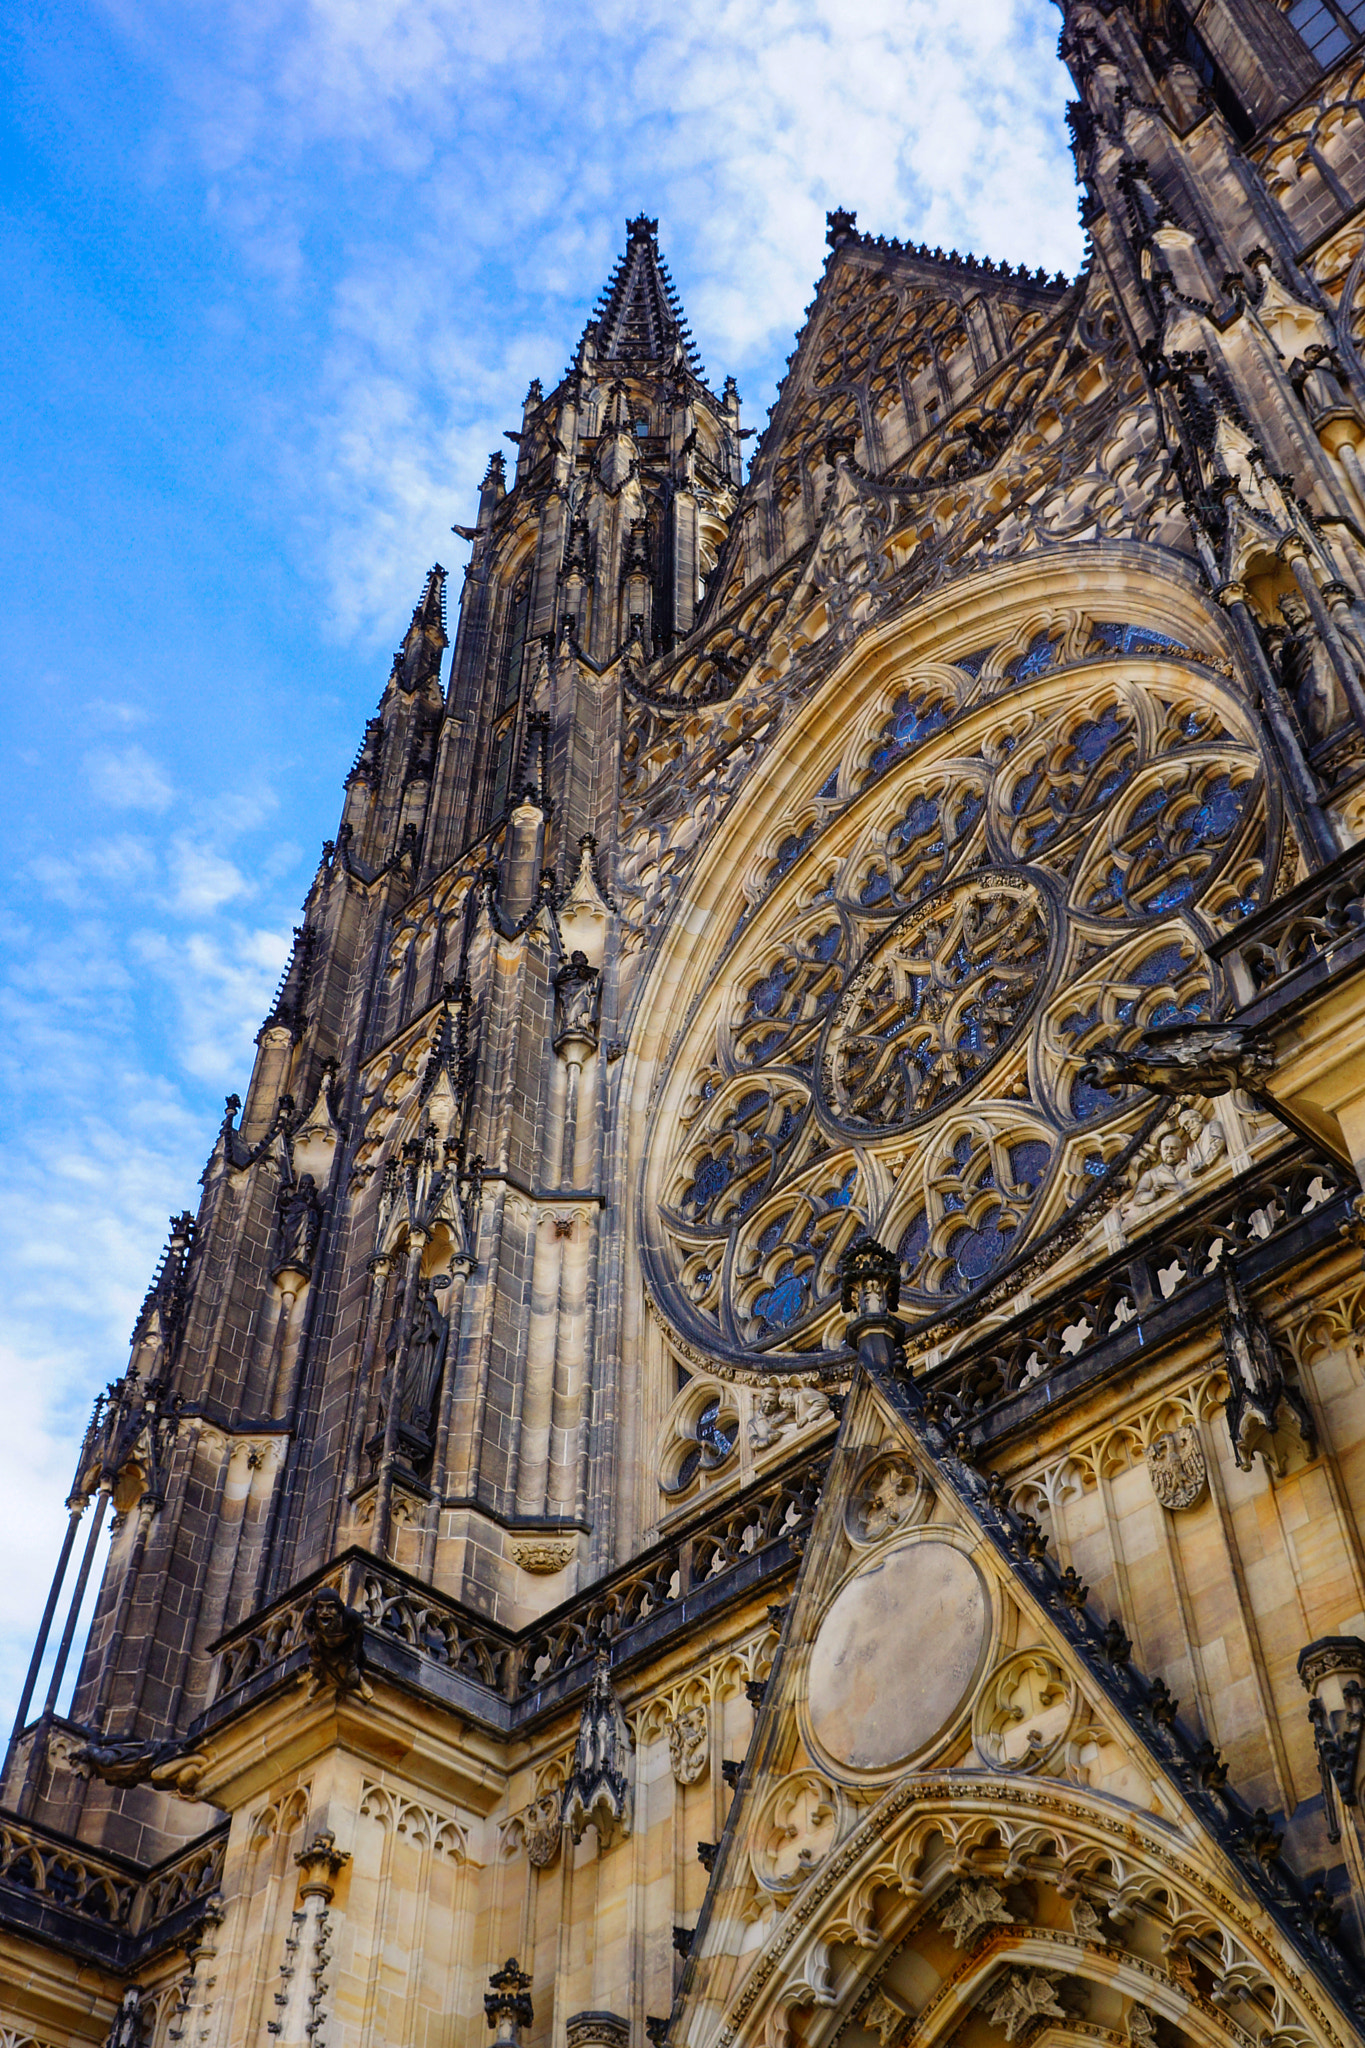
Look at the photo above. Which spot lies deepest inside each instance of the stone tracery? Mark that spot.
(996, 875)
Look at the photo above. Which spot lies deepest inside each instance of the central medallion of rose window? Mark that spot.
(937, 999)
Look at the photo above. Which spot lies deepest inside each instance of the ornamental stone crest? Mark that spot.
(887, 1497)
(1177, 1468)
(936, 1000)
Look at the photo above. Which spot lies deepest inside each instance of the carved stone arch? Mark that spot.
(1172, 1931)
(719, 939)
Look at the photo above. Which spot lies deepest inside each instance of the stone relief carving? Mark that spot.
(887, 1496)
(1177, 1467)
(798, 1825)
(1022, 1997)
(1174, 1157)
(544, 1829)
(543, 1555)
(1025, 1711)
(688, 1744)
(780, 1411)
(970, 1908)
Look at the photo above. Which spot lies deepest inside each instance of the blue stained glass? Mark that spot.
(876, 888)
(1218, 814)
(1173, 895)
(1094, 1165)
(830, 788)
(1028, 1163)
(766, 995)
(713, 1177)
(840, 1197)
(976, 1252)
(921, 817)
(1166, 964)
(962, 1152)
(749, 1105)
(914, 1243)
(1133, 639)
(783, 1302)
(825, 944)
(1035, 661)
(968, 811)
(771, 1238)
(973, 663)
(1087, 1100)
(1091, 741)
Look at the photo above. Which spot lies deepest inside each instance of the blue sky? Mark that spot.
(276, 276)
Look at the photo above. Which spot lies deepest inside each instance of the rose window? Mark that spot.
(936, 1000)
(984, 881)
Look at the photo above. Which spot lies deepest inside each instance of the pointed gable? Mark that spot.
(934, 1826)
(898, 340)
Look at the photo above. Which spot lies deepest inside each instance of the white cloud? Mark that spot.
(203, 879)
(128, 778)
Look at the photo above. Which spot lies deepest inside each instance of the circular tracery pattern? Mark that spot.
(935, 1001)
(974, 897)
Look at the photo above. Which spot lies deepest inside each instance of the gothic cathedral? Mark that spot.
(758, 1439)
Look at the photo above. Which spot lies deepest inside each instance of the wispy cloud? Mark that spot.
(127, 778)
(381, 219)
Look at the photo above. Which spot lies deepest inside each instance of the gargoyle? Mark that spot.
(1186, 1059)
(334, 1634)
(167, 1766)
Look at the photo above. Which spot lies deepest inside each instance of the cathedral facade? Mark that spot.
(758, 1437)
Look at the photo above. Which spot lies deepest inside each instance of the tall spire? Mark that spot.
(639, 317)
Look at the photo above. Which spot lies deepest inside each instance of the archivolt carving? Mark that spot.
(897, 1042)
(1177, 1924)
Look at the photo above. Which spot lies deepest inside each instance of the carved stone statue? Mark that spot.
(422, 1368)
(334, 1634)
(297, 1228)
(577, 987)
(1309, 673)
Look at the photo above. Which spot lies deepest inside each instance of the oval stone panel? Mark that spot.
(896, 1655)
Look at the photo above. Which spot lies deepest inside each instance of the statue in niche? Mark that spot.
(298, 1226)
(1309, 673)
(576, 991)
(420, 1384)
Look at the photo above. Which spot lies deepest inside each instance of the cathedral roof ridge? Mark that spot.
(841, 227)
